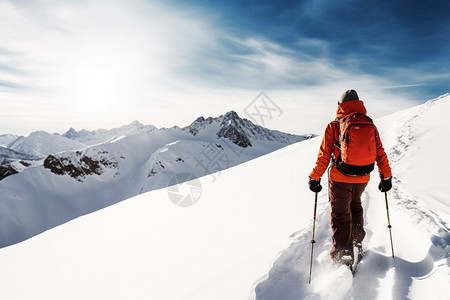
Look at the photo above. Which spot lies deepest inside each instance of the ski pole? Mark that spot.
(389, 222)
(313, 241)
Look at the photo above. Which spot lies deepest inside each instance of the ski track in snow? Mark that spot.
(288, 278)
(379, 276)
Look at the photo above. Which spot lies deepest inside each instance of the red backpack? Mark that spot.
(357, 142)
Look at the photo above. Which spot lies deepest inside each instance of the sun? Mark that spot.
(97, 87)
(102, 79)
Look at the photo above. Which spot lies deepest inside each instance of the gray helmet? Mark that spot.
(348, 96)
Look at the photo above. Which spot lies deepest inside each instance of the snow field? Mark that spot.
(140, 247)
(249, 234)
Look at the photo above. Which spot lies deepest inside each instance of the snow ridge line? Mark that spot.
(410, 205)
(405, 138)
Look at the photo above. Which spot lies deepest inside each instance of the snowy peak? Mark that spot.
(241, 132)
(41, 144)
(236, 129)
(71, 134)
(199, 124)
(103, 135)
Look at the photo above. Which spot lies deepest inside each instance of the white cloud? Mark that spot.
(83, 57)
(91, 64)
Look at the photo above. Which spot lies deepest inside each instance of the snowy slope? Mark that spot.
(13, 162)
(6, 139)
(420, 214)
(69, 184)
(248, 236)
(6, 153)
(149, 248)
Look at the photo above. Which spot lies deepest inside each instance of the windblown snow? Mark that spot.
(248, 234)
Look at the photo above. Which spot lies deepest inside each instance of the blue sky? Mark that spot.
(91, 64)
(390, 39)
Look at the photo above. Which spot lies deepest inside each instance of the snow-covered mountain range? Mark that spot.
(90, 138)
(54, 178)
(41, 144)
(6, 139)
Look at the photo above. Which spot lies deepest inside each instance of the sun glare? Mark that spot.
(97, 87)
(101, 79)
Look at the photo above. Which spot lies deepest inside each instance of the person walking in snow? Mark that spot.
(346, 184)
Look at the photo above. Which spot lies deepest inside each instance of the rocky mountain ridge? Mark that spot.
(40, 145)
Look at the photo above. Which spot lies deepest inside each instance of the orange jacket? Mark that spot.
(327, 147)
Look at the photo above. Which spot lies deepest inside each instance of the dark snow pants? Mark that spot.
(347, 222)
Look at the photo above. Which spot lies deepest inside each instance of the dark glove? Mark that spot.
(314, 185)
(385, 184)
